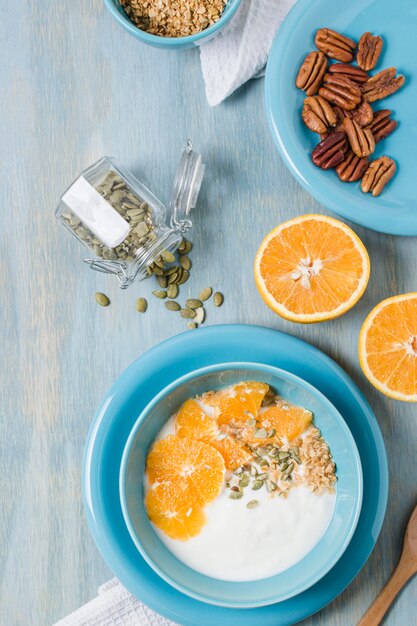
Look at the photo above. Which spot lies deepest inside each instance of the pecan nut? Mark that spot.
(369, 49)
(382, 125)
(378, 174)
(341, 91)
(349, 71)
(335, 45)
(311, 72)
(330, 151)
(318, 115)
(361, 140)
(363, 114)
(382, 85)
(352, 168)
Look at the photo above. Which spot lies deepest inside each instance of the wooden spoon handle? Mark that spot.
(402, 574)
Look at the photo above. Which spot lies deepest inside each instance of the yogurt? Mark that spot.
(239, 543)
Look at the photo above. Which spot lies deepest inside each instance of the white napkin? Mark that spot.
(240, 50)
(114, 606)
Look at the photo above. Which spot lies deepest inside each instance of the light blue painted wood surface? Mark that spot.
(75, 86)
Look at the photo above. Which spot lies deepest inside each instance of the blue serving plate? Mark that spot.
(395, 210)
(317, 562)
(141, 382)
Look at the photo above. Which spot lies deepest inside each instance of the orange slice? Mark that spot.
(311, 268)
(187, 462)
(288, 421)
(239, 402)
(233, 453)
(388, 347)
(192, 421)
(174, 511)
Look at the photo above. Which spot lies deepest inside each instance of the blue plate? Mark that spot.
(141, 382)
(395, 210)
(317, 562)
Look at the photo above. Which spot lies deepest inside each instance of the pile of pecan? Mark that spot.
(338, 107)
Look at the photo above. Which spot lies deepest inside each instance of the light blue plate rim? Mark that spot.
(390, 213)
(327, 561)
(156, 368)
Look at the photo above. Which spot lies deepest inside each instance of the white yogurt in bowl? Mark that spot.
(241, 544)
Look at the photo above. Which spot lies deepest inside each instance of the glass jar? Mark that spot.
(122, 223)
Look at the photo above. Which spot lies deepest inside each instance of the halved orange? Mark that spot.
(187, 462)
(238, 402)
(288, 420)
(174, 511)
(311, 269)
(388, 347)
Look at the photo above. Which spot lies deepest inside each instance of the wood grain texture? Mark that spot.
(75, 86)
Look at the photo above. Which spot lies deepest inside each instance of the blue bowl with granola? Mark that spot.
(191, 26)
(240, 485)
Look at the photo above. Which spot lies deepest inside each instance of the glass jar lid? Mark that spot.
(186, 187)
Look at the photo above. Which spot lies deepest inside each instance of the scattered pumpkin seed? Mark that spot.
(244, 482)
(257, 484)
(261, 433)
(205, 294)
(160, 294)
(193, 303)
(172, 291)
(185, 262)
(184, 277)
(253, 471)
(270, 486)
(271, 432)
(283, 455)
(283, 466)
(251, 423)
(162, 281)
(187, 313)
(191, 325)
(263, 463)
(102, 299)
(186, 248)
(171, 305)
(200, 315)
(218, 298)
(252, 504)
(289, 469)
(167, 256)
(141, 305)
(235, 495)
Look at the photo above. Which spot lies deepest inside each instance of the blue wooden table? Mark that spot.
(75, 86)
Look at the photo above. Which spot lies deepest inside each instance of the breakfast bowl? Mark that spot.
(193, 571)
(172, 43)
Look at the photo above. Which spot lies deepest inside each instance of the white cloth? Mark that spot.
(240, 50)
(114, 606)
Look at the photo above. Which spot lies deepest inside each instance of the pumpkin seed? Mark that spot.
(171, 305)
(257, 484)
(167, 256)
(244, 482)
(289, 469)
(186, 248)
(283, 466)
(171, 270)
(283, 455)
(160, 294)
(271, 432)
(162, 281)
(253, 471)
(187, 313)
(270, 486)
(205, 294)
(295, 450)
(262, 476)
(193, 303)
(218, 298)
(263, 463)
(185, 263)
(235, 495)
(191, 325)
(184, 277)
(102, 299)
(250, 422)
(182, 245)
(252, 504)
(200, 315)
(172, 278)
(172, 291)
(141, 305)
(261, 433)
